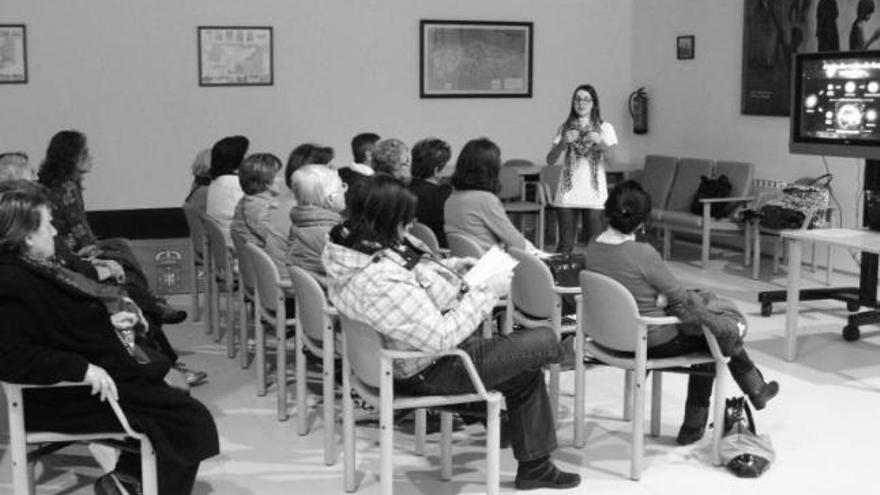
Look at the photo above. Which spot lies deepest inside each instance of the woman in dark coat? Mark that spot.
(56, 325)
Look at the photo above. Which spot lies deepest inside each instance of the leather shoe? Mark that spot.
(170, 314)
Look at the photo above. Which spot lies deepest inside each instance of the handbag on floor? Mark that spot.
(743, 451)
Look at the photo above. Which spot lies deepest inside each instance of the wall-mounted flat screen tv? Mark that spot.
(835, 106)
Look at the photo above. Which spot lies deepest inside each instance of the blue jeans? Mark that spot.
(512, 365)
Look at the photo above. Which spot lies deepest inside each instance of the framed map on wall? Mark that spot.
(235, 56)
(13, 54)
(475, 59)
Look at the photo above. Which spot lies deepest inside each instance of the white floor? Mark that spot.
(824, 424)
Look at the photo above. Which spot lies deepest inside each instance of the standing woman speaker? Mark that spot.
(588, 143)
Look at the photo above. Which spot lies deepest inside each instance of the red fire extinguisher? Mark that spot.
(638, 109)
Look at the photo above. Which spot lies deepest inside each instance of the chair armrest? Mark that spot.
(658, 320)
(285, 284)
(737, 199)
(465, 359)
(558, 289)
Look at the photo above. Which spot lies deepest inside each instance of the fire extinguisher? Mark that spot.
(638, 109)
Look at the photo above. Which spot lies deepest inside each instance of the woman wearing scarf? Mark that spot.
(58, 325)
(588, 143)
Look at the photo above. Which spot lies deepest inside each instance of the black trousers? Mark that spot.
(172, 478)
(591, 222)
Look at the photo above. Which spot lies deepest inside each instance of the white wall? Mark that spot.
(695, 104)
(125, 73)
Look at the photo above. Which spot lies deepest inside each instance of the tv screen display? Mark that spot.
(836, 104)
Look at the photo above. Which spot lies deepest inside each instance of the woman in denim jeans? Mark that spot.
(379, 275)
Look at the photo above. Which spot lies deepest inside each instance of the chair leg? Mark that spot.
(638, 424)
(243, 331)
(747, 245)
(194, 276)
(22, 476)
(493, 446)
(230, 325)
(348, 453)
(260, 349)
(281, 362)
(539, 231)
(756, 251)
(386, 426)
(579, 392)
(148, 468)
(302, 410)
(445, 445)
(329, 375)
(656, 402)
(718, 430)
(421, 426)
(705, 248)
(627, 395)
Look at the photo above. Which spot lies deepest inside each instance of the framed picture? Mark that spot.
(475, 59)
(13, 54)
(684, 47)
(235, 56)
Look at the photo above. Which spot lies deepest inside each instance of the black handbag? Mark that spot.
(719, 187)
(743, 451)
(566, 269)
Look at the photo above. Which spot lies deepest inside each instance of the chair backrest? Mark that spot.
(532, 289)
(362, 347)
(549, 180)
(266, 278)
(216, 244)
(609, 312)
(311, 303)
(511, 184)
(657, 178)
(687, 180)
(245, 270)
(462, 245)
(740, 175)
(196, 230)
(424, 233)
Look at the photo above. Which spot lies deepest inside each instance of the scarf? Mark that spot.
(581, 148)
(113, 297)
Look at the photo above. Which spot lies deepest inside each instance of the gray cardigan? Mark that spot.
(481, 215)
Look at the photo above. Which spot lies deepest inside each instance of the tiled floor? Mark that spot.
(824, 424)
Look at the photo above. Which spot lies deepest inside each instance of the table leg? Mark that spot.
(795, 255)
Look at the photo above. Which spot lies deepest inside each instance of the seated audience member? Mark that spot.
(251, 218)
(473, 208)
(16, 174)
(225, 189)
(197, 198)
(67, 161)
(57, 325)
(320, 196)
(391, 156)
(417, 302)
(429, 156)
(639, 267)
(362, 151)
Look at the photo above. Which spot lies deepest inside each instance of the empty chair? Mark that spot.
(514, 202)
(613, 332)
(20, 438)
(367, 368)
(272, 308)
(315, 319)
(198, 249)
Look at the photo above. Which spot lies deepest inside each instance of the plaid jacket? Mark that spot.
(420, 309)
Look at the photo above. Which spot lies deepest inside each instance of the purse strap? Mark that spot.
(822, 181)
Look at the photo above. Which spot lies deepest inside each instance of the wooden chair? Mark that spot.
(316, 320)
(197, 251)
(367, 367)
(49, 441)
(536, 301)
(511, 196)
(247, 281)
(424, 233)
(463, 246)
(271, 306)
(222, 272)
(614, 333)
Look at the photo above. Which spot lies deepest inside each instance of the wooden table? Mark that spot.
(866, 241)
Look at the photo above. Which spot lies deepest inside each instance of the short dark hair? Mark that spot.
(627, 206)
(361, 144)
(477, 167)
(257, 172)
(307, 154)
(864, 8)
(20, 203)
(227, 154)
(429, 156)
(377, 209)
(62, 157)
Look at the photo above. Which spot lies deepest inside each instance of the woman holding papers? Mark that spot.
(379, 275)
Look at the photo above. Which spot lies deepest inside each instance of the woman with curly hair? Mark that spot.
(588, 143)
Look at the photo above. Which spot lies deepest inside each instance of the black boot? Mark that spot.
(759, 391)
(694, 425)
